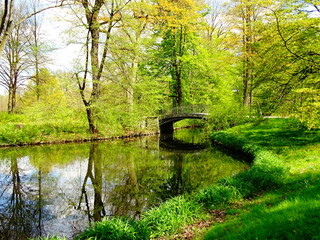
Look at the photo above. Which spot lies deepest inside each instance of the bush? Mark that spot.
(227, 115)
(116, 229)
(11, 134)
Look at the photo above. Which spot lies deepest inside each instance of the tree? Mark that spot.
(245, 13)
(296, 28)
(15, 62)
(8, 23)
(6, 13)
(176, 26)
(37, 46)
(97, 22)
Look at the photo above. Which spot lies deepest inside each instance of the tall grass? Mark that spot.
(164, 220)
(116, 229)
(172, 216)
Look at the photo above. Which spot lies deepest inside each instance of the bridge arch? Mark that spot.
(167, 120)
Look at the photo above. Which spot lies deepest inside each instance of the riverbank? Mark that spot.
(284, 203)
(278, 198)
(22, 130)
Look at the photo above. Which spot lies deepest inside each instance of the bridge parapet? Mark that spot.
(167, 119)
(185, 109)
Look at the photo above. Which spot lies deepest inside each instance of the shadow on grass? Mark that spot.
(281, 133)
(295, 217)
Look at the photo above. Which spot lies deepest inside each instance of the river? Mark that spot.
(61, 189)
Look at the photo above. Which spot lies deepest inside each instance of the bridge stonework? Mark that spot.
(167, 120)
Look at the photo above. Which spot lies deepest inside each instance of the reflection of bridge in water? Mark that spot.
(167, 119)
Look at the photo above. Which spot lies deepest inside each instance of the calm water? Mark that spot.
(63, 188)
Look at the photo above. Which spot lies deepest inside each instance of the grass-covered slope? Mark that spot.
(287, 203)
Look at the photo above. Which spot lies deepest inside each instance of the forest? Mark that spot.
(136, 59)
(252, 66)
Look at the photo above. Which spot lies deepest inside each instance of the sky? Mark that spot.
(52, 31)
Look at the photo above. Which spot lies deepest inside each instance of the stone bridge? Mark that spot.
(167, 119)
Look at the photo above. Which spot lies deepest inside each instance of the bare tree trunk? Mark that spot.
(94, 32)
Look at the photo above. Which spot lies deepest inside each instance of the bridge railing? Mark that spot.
(186, 109)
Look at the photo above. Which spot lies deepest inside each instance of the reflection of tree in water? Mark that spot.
(180, 181)
(95, 175)
(121, 197)
(120, 178)
(20, 216)
(177, 183)
(126, 197)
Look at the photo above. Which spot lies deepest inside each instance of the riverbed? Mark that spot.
(61, 189)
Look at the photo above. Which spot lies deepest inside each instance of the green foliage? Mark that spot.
(12, 134)
(309, 111)
(38, 125)
(217, 195)
(115, 229)
(226, 115)
(171, 216)
(14, 118)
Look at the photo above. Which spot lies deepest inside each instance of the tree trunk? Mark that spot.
(247, 62)
(90, 116)
(132, 80)
(94, 31)
(10, 92)
(6, 23)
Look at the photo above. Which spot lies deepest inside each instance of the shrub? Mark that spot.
(227, 115)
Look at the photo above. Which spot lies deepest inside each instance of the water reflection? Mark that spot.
(64, 188)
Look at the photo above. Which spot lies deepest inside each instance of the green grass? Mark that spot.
(116, 228)
(17, 129)
(296, 217)
(172, 216)
(281, 190)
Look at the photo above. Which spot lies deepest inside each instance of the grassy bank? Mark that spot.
(24, 129)
(278, 198)
(20, 129)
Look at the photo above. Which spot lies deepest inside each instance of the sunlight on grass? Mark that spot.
(297, 218)
(291, 210)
